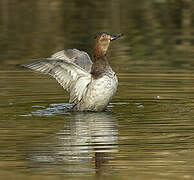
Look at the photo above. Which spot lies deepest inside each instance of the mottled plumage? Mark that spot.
(91, 85)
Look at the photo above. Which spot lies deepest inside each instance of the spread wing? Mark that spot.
(76, 56)
(71, 77)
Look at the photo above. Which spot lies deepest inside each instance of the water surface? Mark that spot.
(147, 130)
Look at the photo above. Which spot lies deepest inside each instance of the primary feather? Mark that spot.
(70, 76)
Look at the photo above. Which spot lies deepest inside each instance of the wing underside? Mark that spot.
(69, 75)
(75, 56)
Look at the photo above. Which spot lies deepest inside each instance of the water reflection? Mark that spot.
(83, 145)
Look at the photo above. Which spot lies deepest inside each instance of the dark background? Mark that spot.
(158, 33)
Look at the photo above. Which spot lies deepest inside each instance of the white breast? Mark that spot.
(99, 94)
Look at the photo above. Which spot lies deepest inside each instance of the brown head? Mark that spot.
(102, 41)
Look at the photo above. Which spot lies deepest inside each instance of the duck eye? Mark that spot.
(103, 35)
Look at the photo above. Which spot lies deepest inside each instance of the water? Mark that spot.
(147, 130)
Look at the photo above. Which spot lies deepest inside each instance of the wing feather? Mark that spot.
(75, 56)
(69, 75)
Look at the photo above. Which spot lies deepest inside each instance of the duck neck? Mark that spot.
(100, 66)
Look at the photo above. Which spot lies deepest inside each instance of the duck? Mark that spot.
(91, 84)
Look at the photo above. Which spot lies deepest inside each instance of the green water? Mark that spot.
(147, 132)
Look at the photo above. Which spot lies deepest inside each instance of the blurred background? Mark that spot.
(158, 33)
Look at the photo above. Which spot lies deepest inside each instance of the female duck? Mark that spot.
(91, 84)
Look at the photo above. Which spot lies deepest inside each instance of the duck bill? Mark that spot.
(113, 37)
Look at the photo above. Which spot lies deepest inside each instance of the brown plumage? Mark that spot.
(100, 63)
(91, 84)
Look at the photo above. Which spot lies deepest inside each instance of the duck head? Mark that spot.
(102, 41)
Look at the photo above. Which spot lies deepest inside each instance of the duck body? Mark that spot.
(99, 93)
(91, 84)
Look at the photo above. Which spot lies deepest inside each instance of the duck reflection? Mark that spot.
(84, 145)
